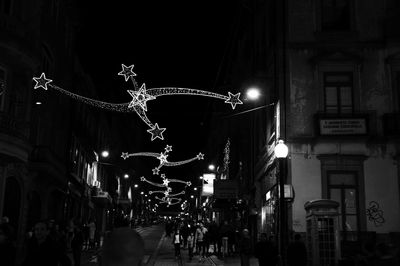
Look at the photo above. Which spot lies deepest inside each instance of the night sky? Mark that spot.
(171, 43)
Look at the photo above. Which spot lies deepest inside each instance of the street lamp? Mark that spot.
(253, 94)
(281, 152)
(211, 167)
(105, 154)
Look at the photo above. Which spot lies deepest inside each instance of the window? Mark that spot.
(6, 6)
(338, 92)
(335, 15)
(342, 187)
(2, 87)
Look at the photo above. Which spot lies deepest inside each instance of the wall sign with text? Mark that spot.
(342, 126)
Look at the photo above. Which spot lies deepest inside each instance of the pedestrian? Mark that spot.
(200, 232)
(77, 245)
(5, 221)
(190, 243)
(297, 252)
(185, 233)
(266, 251)
(92, 233)
(43, 250)
(123, 247)
(177, 240)
(213, 236)
(245, 248)
(7, 247)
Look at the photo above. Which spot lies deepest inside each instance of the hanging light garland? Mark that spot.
(162, 157)
(140, 97)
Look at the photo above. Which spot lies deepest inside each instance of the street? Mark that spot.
(159, 251)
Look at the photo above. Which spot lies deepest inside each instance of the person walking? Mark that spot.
(297, 252)
(123, 247)
(177, 240)
(92, 234)
(266, 251)
(7, 247)
(43, 250)
(77, 245)
(190, 244)
(245, 248)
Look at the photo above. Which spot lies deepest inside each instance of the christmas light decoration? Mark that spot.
(162, 157)
(169, 201)
(140, 97)
(165, 181)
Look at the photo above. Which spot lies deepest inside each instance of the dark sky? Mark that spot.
(171, 43)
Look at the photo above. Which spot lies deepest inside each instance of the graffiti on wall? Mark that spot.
(374, 214)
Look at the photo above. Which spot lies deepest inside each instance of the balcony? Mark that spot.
(391, 124)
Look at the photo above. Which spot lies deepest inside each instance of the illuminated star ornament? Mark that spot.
(162, 157)
(140, 96)
(41, 82)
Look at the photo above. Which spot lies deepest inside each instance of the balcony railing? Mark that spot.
(12, 126)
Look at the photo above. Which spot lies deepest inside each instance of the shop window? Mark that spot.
(342, 187)
(338, 92)
(335, 15)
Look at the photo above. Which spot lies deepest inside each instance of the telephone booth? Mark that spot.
(323, 245)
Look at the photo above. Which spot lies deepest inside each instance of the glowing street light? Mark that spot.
(126, 176)
(253, 93)
(105, 154)
(211, 167)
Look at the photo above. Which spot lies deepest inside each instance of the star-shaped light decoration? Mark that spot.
(127, 72)
(166, 182)
(233, 99)
(156, 132)
(162, 176)
(140, 97)
(41, 82)
(163, 158)
(200, 156)
(168, 148)
(142, 178)
(156, 171)
(125, 155)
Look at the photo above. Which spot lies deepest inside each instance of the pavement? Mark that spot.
(160, 252)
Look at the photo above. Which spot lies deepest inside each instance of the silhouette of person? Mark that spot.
(123, 247)
(265, 251)
(297, 252)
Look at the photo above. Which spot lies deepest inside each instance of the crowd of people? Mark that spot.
(48, 243)
(205, 238)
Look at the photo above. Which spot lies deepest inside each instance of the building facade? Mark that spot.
(49, 169)
(328, 72)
